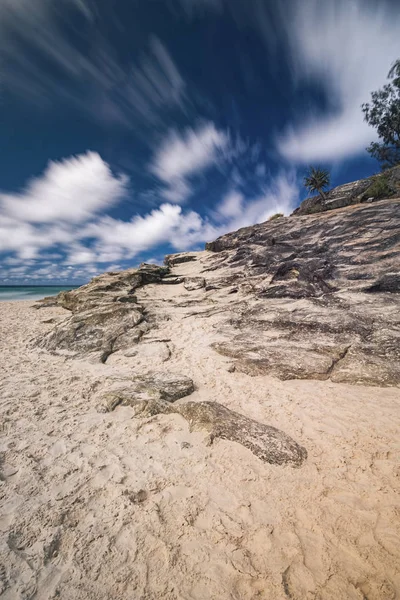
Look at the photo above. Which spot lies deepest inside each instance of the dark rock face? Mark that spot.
(307, 312)
(349, 193)
(390, 282)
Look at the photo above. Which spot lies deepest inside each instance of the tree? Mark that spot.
(383, 113)
(316, 180)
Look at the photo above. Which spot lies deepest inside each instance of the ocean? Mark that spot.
(30, 292)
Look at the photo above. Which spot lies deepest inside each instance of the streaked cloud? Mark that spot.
(347, 47)
(53, 227)
(181, 155)
(88, 75)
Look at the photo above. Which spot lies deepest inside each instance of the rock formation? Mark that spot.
(302, 297)
(319, 295)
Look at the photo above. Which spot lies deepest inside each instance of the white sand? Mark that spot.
(217, 523)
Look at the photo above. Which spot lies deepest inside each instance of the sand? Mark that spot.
(109, 506)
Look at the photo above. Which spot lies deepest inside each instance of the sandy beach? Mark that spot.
(109, 506)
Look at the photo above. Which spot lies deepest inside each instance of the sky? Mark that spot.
(135, 128)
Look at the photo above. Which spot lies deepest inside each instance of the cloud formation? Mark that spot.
(181, 155)
(87, 75)
(53, 230)
(347, 46)
(68, 191)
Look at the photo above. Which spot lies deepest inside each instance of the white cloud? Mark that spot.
(231, 205)
(69, 191)
(182, 155)
(348, 47)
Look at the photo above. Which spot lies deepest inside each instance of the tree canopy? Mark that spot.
(383, 113)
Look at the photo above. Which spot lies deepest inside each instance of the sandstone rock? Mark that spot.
(105, 313)
(267, 443)
(305, 299)
(94, 330)
(174, 259)
(142, 388)
(194, 283)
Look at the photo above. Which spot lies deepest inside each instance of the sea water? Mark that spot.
(30, 292)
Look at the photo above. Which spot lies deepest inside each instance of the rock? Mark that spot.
(304, 299)
(172, 280)
(296, 361)
(100, 329)
(107, 287)
(169, 387)
(142, 388)
(105, 314)
(194, 283)
(389, 282)
(174, 259)
(267, 443)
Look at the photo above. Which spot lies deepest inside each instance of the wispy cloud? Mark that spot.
(347, 47)
(181, 155)
(47, 211)
(88, 75)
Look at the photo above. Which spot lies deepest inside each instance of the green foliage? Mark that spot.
(383, 113)
(379, 188)
(317, 180)
(276, 216)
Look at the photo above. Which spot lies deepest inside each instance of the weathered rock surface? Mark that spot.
(194, 283)
(315, 297)
(174, 259)
(320, 295)
(105, 313)
(267, 443)
(151, 386)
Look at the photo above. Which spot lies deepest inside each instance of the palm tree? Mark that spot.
(316, 180)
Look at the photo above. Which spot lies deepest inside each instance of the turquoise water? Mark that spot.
(30, 292)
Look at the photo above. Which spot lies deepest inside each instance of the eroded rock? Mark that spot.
(167, 387)
(194, 283)
(105, 313)
(304, 298)
(267, 443)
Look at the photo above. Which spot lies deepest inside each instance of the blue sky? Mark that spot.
(136, 128)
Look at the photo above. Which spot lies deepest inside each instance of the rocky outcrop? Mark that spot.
(175, 259)
(151, 386)
(305, 297)
(377, 187)
(105, 314)
(320, 296)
